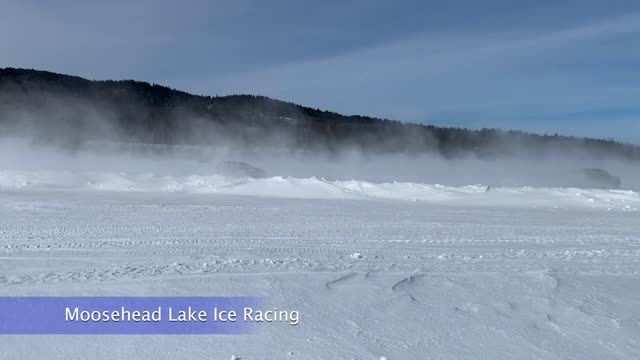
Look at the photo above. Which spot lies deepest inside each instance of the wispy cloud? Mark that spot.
(543, 66)
(442, 61)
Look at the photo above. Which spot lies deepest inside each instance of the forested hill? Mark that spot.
(73, 109)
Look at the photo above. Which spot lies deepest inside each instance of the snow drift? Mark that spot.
(320, 188)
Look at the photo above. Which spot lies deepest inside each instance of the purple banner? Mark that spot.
(127, 315)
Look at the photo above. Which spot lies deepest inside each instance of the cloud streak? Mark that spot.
(454, 73)
(542, 67)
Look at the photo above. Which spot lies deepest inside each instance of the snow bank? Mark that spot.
(320, 188)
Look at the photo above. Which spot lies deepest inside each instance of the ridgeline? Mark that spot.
(74, 109)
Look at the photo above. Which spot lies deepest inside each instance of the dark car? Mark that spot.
(599, 179)
(239, 169)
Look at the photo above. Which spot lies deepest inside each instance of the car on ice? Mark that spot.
(239, 169)
(599, 179)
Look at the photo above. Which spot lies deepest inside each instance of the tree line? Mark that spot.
(150, 113)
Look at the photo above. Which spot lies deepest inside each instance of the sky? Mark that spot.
(571, 67)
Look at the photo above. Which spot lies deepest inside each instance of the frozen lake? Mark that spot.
(500, 277)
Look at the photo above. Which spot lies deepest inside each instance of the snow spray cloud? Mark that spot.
(66, 132)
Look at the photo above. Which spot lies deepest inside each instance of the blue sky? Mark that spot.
(571, 67)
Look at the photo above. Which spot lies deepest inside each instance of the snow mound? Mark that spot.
(320, 188)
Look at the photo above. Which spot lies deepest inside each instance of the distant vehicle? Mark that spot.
(239, 169)
(599, 179)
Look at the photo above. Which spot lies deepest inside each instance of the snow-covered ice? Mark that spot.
(320, 188)
(377, 270)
